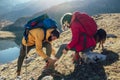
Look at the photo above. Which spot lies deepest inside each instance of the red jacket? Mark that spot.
(77, 41)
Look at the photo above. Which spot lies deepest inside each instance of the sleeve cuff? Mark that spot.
(66, 49)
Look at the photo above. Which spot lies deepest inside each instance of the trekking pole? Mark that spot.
(26, 38)
(26, 62)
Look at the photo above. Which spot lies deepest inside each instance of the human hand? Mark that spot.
(50, 63)
(64, 51)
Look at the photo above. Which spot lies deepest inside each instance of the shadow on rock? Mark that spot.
(93, 71)
(111, 57)
(90, 71)
(51, 72)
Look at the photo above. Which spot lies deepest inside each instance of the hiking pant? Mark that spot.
(59, 52)
(22, 55)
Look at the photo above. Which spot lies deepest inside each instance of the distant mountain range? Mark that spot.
(12, 10)
(9, 5)
(36, 6)
(92, 7)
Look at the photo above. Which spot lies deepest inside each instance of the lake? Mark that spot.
(9, 51)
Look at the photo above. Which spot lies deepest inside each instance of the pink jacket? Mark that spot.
(77, 41)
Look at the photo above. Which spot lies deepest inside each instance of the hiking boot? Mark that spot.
(77, 60)
(76, 57)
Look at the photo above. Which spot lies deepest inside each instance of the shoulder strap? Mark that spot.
(85, 41)
(26, 33)
(44, 34)
(84, 35)
(81, 24)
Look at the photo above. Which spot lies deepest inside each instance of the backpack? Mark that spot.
(87, 22)
(89, 26)
(42, 21)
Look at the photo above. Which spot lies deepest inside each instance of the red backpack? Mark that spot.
(89, 26)
(88, 23)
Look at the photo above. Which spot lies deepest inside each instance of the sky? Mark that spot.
(22, 1)
(15, 2)
(50, 1)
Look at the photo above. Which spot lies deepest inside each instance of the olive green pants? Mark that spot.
(22, 55)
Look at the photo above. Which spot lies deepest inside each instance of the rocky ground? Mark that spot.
(107, 70)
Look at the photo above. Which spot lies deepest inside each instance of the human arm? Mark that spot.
(75, 37)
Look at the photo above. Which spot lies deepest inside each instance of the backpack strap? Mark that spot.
(44, 34)
(84, 35)
(26, 33)
(85, 41)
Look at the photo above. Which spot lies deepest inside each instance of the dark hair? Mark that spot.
(56, 33)
(101, 33)
(66, 17)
